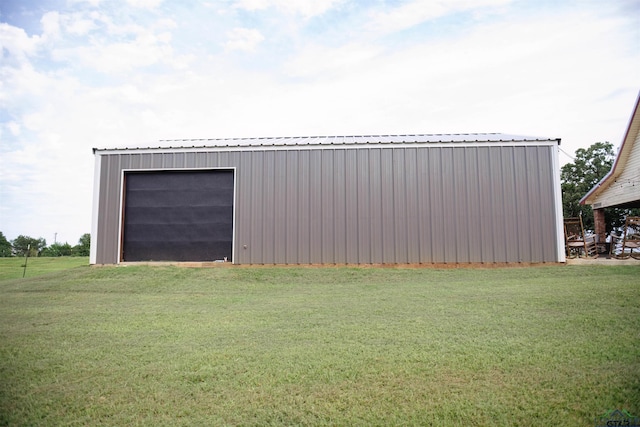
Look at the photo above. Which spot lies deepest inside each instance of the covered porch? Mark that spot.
(620, 188)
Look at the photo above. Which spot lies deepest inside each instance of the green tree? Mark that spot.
(5, 246)
(84, 245)
(21, 243)
(588, 168)
(57, 249)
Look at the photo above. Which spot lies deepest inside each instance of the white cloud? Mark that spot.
(166, 24)
(16, 43)
(415, 12)
(306, 8)
(14, 128)
(145, 4)
(146, 50)
(252, 4)
(318, 61)
(22, 86)
(78, 25)
(50, 24)
(244, 39)
(94, 3)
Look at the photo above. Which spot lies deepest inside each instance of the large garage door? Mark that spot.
(178, 215)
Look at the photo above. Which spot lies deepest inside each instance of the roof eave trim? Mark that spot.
(331, 144)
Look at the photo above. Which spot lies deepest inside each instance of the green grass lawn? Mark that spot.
(552, 345)
(14, 267)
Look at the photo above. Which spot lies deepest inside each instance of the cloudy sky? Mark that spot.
(79, 74)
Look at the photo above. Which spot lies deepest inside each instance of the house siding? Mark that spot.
(626, 187)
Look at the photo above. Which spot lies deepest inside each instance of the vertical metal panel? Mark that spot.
(100, 241)
(521, 194)
(315, 206)
(212, 159)
(162, 161)
(224, 158)
(412, 197)
(327, 177)
(514, 201)
(179, 160)
(108, 230)
(542, 232)
(363, 201)
(437, 232)
(200, 159)
(509, 206)
(485, 192)
(167, 160)
(190, 160)
(243, 209)
(448, 234)
(280, 207)
(464, 236)
(547, 202)
(376, 228)
(144, 161)
(387, 207)
(154, 158)
(548, 206)
(351, 206)
(496, 205)
(257, 211)
(125, 161)
(291, 206)
(268, 208)
(134, 161)
(303, 212)
(424, 211)
(533, 190)
(338, 193)
(472, 202)
(422, 228)
(104, 242)
(433, 213)
(399, 203)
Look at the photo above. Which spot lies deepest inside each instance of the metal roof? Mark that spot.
(341, 140)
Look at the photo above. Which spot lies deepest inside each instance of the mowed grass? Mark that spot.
(550, 345)
(14, 267)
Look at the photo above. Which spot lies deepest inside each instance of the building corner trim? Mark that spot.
(95, 210)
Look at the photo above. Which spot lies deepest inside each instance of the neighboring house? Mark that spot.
(394, 199)
(620, 188)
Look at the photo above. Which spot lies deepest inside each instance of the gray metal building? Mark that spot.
(396, 199)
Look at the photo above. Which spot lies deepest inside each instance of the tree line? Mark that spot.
(38, 247)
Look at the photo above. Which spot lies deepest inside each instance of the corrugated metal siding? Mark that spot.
(369, 205)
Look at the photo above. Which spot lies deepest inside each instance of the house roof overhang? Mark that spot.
(621, 158)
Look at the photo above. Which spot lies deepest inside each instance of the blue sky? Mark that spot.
(79, 74)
